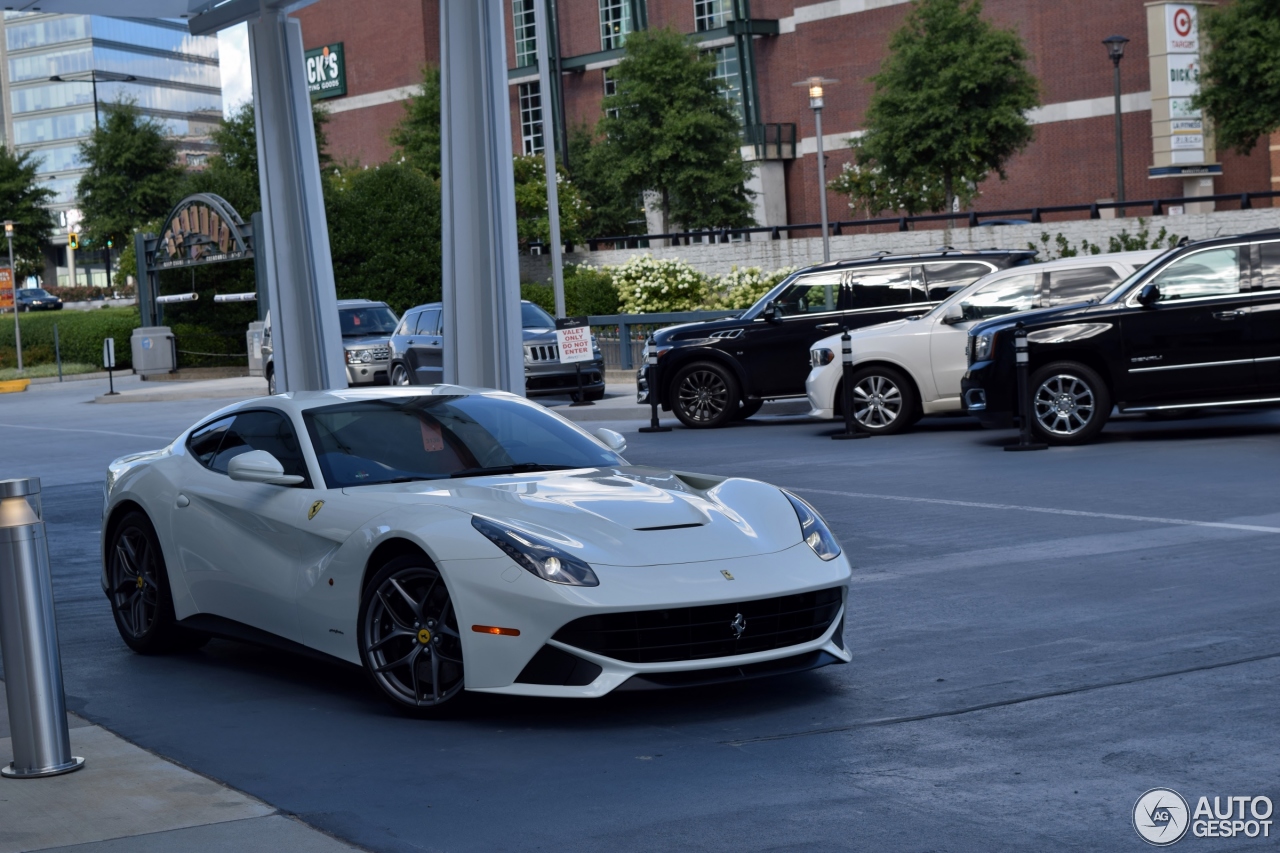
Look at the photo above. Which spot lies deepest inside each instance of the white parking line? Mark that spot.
(1227, 525)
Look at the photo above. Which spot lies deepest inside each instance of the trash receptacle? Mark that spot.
(153, 350)
(254, 340)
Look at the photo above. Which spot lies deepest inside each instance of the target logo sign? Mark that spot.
(1182, 22)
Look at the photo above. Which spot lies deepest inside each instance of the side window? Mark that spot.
(1081, 285)
(429, 322)
(881, 288)
(408, 323)
(1002, 296)
(944, 279)
(1213, 272)
(812, 294)
(269, 431)
(1269, 270)
(204, 442)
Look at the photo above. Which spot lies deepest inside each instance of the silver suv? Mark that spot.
(366, 342)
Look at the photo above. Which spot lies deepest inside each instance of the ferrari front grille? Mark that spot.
(709, 631)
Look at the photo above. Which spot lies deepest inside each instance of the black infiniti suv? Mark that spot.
(713, 372)
(1197, 327)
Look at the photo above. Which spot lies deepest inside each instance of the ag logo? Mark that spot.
(315, 507)
(1161, 817)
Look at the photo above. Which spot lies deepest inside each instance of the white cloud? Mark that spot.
(233, 57)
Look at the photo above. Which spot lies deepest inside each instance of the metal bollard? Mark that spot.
(29, 639)
(652, 378)
(852, 429)
(1025, 405)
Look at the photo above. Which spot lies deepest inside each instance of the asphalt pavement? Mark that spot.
(1038, 639)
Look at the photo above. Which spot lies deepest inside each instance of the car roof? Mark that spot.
(1136, 259)
(357, 303)
(946, 253)
(441, 305)
(301, 401)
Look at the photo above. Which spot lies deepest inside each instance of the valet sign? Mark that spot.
(574, 337)
(326, 72)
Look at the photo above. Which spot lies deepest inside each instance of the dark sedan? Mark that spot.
(37, 299)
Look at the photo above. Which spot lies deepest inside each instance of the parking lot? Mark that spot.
(1038, 639)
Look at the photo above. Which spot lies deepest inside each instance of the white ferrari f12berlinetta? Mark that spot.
(449, 539)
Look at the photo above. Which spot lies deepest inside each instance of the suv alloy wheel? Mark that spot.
(704, 395)
(1070, 403)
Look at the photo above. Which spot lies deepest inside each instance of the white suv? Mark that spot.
(906, 369)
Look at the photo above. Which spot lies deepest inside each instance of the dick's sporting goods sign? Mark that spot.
(326, 72)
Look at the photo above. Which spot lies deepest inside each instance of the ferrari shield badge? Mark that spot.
(315, 507)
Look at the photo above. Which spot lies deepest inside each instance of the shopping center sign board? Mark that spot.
(326, 72)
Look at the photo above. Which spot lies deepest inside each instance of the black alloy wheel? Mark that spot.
(408, 636)
(138, 588)
(1070, 403)
(399, 376)
(747, 409)
(884, 401)
(704, 395)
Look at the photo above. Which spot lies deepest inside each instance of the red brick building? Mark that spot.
(1071, 160)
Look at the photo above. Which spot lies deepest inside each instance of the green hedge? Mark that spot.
(80, 335)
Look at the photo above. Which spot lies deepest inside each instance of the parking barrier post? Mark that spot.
(1025, 405)
(652, 379)
(852, 429)
(29, 639)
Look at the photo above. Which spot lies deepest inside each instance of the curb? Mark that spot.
(12, 386)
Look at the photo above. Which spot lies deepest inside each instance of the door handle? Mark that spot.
(183, 500)
(1228, 315)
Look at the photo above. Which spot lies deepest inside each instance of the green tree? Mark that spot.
(24, 200)
(532, 223)
(1240, 83)
(609, 208)
(132, 174)
(418, 133)
(384, 233)
(670, 129)
(950, 101)
(871, 190)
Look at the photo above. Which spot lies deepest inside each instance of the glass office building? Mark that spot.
(60, 73)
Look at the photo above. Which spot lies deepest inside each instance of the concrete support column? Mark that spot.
(293, 246)
(482, 339)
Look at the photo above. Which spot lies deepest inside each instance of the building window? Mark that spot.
(530, 118)
(727, 70)
(610, 88)
(526, 40)
(712, 14)
(615, 23)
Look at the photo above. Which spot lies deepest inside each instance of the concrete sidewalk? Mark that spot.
(129, 799)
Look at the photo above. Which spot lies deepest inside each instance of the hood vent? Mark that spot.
(669, 527)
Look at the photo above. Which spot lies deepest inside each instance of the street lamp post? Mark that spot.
(1115, 50)
(13, 283)
(815, 86)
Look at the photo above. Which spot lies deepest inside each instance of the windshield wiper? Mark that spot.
(516, 468)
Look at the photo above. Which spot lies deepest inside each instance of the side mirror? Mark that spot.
(259, 466)
(954, 314)
(1149, 295)
(773, 313)
(612, 440)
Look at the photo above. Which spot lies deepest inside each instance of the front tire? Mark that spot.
(1070, 403)
(408, 637)
(138, 588)
(885, 401)
(271, 383)
(704, 395)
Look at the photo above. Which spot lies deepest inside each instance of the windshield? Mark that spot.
(34, 291)
(758, 308)
(367, 320)
(1140, 273)
(1002, 294)
(533, 317)
(437, 437)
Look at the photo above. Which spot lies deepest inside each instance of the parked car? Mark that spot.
(37, 299)
(711, 373)
(417, 354)
(451, 539)
(366, 332)
(1195, 328)
(910, 368)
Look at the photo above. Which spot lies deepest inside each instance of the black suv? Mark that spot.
(714, 372)
(1198, 326)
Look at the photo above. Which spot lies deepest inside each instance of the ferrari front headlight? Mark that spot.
(813, 529)
(536, 555)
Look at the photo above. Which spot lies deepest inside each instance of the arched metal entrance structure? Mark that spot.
(201, 229)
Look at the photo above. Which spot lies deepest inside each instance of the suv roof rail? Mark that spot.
(1263, 231)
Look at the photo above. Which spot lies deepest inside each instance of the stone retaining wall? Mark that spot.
(774, 254)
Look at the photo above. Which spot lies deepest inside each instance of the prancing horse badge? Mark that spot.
(315, 507)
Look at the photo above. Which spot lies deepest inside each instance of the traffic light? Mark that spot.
(73, 240)
(111, 242)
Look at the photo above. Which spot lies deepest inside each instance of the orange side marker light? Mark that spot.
(490, 629)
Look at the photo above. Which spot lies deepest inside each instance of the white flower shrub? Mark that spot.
(649, 285)
(741, 287)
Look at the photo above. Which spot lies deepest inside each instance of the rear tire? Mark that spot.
(1070, 403)
(138, 589)
(704, 395)
(400, 376)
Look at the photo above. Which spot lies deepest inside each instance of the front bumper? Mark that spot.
(495, 592)
(820, 386)
(552, 378)
(371, 373)
(988, 395)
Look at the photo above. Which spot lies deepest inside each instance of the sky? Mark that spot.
(233, 59)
